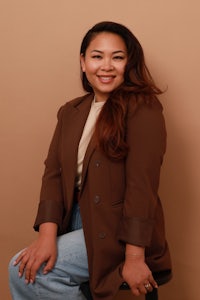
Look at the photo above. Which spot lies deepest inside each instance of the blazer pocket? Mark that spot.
(117, 203)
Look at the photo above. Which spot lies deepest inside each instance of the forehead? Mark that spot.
(107, 41)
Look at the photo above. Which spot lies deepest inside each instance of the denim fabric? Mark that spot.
(76, 222)
(70, 270)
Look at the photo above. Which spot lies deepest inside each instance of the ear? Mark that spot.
(82, 61)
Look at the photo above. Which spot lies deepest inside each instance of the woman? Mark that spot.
(99, 192)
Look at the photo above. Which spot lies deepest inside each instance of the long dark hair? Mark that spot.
(110, 126)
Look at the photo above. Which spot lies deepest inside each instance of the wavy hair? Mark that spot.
(111, 125)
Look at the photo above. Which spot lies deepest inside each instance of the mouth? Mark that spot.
(106, 79)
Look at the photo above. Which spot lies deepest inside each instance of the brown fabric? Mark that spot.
(76, 195)
(119, 200)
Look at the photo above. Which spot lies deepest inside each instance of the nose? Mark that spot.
(107, 65)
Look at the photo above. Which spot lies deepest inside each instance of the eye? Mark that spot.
(96, 56)
(118, 57)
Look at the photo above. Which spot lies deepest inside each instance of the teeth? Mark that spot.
(105, 78)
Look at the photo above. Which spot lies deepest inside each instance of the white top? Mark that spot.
(86, 136)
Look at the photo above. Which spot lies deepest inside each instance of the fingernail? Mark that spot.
(31, 281)
(26, 281)
(20, 274)
(14, 263)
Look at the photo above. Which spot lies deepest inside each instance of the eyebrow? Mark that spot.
(114, 52)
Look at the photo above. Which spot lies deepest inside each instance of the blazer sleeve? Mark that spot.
(146, 137)
(51, 206)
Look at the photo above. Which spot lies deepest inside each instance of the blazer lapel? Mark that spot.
(89, 151)
(72, 131)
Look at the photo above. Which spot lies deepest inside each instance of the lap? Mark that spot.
(69, 271)
(72, 255)
(71, 260)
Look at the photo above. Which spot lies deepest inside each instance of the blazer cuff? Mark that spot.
(49, 211)
(136, 231)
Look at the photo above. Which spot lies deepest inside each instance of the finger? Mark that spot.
(36, 264)
(148, 287)
(142, 289)
(153, 282)
(19, 258)
(22, 265)
(49, 266)
(135, 291)
(29, 271)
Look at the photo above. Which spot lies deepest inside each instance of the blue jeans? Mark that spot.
(70, 270)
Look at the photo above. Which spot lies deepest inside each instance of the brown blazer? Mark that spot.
(119, 200)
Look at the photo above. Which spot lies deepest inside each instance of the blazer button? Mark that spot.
(97, 199)
(97, 163)
(102, 235)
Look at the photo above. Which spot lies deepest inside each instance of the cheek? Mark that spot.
(122, 71)
(90, 69)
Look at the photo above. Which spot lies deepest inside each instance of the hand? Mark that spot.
(43, 250)
(137, 274)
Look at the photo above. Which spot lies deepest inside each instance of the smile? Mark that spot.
(106, 79)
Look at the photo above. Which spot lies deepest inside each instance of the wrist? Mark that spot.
(134, 258)
(134, 252)
(48, 229)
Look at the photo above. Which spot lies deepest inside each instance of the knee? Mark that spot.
(12, 269)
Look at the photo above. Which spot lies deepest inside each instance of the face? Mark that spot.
(104, 64)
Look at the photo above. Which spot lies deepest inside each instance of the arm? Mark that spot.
(146, 138)
(50, 211)
(50, 208)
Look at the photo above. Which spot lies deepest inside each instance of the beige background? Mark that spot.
(39, 71)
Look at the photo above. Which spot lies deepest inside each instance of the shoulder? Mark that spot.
(143, 104)
(146, 125)
(77, 101)
(145, 116)
(75, 104)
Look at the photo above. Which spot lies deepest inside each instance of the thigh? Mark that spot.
(71, 260)
(62, 283)
(72, 257)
